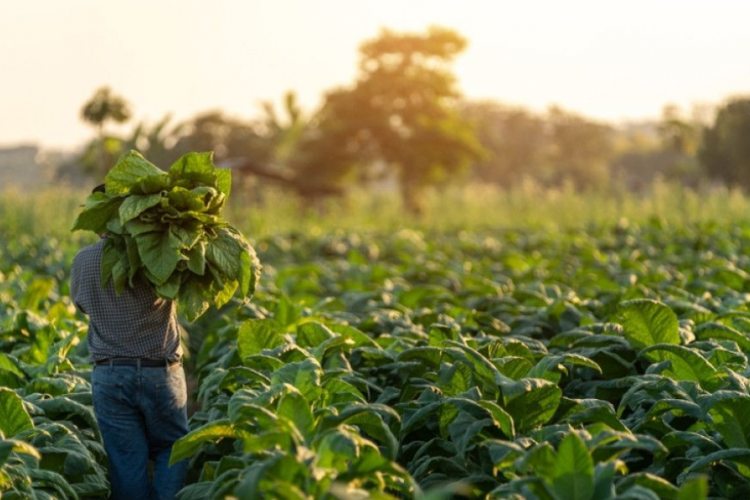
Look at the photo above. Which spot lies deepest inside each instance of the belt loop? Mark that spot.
(111, 364)
(138, 365)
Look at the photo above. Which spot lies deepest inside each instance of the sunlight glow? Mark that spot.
(609, 60)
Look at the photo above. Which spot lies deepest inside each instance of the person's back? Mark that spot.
(138, 384)
(134, 324)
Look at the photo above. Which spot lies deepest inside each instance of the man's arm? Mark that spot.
(74, 287)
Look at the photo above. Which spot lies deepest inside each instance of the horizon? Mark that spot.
(618, 63)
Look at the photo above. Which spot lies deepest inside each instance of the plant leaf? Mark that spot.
(647, 322)
(14, 418)
(573, 474)
(130, 168)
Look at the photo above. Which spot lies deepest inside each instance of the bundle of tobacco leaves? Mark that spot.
(167, 227)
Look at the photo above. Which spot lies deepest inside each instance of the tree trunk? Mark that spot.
(101, 167)
(412, 196)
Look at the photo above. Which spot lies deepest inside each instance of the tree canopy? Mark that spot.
(725, 153)
(105, 106)
(400, 112)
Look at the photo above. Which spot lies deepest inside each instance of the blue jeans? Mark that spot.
(141, 412)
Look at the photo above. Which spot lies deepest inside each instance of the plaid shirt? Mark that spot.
(134, 324)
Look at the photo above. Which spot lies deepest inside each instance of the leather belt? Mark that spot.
(137, 361)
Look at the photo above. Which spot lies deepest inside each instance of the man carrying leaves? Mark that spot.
(164, 244)
(139, 390)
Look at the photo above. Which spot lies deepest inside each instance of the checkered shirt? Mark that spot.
(133, 324)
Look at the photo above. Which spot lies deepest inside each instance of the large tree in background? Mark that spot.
(579, 150)
(725, 153)
(284, 132)
(400, 112)
(227, 137)
(551, 149)
(515, 138)
(103, 107)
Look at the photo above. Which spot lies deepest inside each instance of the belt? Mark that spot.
(137, 361)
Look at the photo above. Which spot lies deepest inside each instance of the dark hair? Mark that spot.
(99, 189)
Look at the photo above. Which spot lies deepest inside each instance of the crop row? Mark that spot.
(609, 363)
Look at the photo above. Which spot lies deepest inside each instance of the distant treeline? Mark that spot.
(403, 122)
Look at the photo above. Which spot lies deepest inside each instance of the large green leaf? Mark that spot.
(189, 445)
(501, 418)
(730, 413)
(191, 200)
(14, 418)
(192, 298)
(694, 489)
(98, 211)
(531, 402)
(196, 168)
(160, 253)
(130, 168)
(249, 271)
(647, 322)
(9, 365)
(110, 257)
(224, 181)
(8, 446)
(151, 184)
(738, 456)
(304, 375)
(312, 334)
(134, 205)
(687, 364)
(723, 332)
(255, 335)
(64, 408)
(53, 479)
(295, 408)
(573, 474)
(225, 252)
(197, 258)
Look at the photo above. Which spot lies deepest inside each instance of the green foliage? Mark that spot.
(167, 228)
(602, 364)
(50, 445)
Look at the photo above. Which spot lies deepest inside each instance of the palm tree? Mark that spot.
(104, 106)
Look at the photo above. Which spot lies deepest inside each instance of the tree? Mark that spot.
(401, 112)
(515, 138)
(678, 135)
(103, 107)
(579, 150)
(725, 153)
(284, 134)
(155, 141)
(227, 137)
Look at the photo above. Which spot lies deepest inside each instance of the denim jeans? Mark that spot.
(141, 412)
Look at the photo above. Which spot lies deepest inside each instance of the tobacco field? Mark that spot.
(599, 363)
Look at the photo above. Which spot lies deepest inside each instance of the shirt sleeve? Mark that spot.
(74, 287)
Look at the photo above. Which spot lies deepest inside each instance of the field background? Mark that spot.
(50, 212)
(506, 252)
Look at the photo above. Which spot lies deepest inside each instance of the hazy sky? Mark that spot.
(608, 59)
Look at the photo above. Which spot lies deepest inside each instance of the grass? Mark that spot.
(51, 212)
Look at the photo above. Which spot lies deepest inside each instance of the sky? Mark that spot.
(611, 60)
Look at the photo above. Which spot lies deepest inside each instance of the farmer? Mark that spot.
(139, 391)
